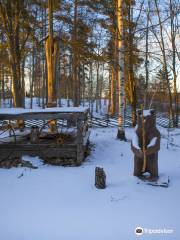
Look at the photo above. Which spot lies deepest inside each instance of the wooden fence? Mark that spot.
(108, 121)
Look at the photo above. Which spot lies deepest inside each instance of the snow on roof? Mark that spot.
(9, 111)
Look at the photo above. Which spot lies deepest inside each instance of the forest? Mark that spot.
(91, 41)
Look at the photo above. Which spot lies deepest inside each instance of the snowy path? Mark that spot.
(62, 203)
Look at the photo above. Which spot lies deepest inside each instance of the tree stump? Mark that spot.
(100, 178)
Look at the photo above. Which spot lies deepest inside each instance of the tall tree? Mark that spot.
(52, 49)
(17, 23)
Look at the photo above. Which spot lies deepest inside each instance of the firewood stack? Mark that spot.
(100, 178)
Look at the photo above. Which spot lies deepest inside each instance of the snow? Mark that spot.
(17, 111)
(146, 113)
(135, 141)
(62, 202)
(152, 142)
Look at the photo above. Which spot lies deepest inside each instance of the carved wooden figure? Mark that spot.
(152, 144)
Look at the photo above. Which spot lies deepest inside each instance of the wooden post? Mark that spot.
(80, 150)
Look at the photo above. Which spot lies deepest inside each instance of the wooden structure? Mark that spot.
(146, 144)
(64, 144)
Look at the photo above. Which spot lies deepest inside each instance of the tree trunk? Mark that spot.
(121, 132)
(97, 87)
(49, 57)
(17, 88)
(23, 82)
(76, 87)
(131, 70)
(173, 44)
(146, 59)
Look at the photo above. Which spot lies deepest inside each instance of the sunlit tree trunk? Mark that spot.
(121, 131)
(11, 22)
(131, 66)
(49, 57)
(17, 88)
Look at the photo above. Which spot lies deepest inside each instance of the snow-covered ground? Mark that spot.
(61, 203)
(37, 104)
